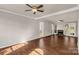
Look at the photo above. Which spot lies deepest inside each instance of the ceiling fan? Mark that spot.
(35, 9)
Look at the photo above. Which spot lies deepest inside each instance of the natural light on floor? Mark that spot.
(37, 51)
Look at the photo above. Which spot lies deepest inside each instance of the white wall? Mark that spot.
(60, 26)
(14, 29)
(53, 28)
(47, 28)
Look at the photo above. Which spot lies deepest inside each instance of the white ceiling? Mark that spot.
(66, 17)
(48, 9)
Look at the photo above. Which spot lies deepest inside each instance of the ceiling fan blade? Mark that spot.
(28, 10)
(40, 10)
(40, 6)
(29, 5)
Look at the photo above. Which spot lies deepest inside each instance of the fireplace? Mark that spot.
(60, 32)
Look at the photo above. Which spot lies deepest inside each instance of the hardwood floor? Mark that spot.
(51, 45)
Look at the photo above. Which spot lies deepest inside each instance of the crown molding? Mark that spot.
(11, 12)
(60, 12)
(52, 14)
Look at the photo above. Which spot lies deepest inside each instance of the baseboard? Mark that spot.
(71, 36)
(23, 42)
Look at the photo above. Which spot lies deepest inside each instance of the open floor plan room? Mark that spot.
(39, 29)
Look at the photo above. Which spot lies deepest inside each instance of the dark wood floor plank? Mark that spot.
(51, 45)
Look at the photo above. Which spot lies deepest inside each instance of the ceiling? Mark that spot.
(48, 9)
(66, 17)
(52, 12)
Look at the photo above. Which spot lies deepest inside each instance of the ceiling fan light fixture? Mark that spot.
(34, 10)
